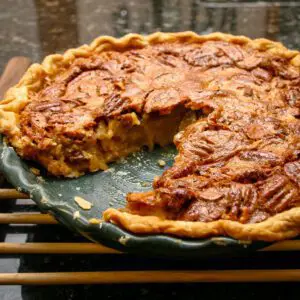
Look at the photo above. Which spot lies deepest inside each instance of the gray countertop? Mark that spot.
(36, 28)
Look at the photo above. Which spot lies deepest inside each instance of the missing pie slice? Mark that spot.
(230, 104)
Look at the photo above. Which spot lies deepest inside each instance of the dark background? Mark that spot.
(35, 28)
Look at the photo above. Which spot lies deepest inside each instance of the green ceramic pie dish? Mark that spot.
(108, 189)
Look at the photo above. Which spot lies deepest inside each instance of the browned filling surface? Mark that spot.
(234, 110)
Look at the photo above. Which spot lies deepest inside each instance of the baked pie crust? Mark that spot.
(232, 104)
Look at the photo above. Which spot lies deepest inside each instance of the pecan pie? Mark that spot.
(231, 106)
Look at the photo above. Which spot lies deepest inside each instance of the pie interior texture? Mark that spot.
(230, 105)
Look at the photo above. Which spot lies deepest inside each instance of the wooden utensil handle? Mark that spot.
(148, 276)
(13, 72)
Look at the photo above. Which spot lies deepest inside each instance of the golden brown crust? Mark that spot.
(280, 226)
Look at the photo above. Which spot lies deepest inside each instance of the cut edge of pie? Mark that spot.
(280, 226)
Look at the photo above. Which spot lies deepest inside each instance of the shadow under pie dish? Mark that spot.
(230, 104)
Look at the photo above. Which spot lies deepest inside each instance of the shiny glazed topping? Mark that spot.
(238, 160)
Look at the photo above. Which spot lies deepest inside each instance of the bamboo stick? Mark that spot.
(30, 218)
(13, 72)
(289, 245)
(92, 248)
(55, 248)
(110, 277)
(10, 194)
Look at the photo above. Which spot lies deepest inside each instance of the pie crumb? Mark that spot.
(219, 242)
(123, 240)
(35, 171)
(95, 221)
(44, 200)
(161, 163)
(76, 215)
(40, 179)
(84, 204)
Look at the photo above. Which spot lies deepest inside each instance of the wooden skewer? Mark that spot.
(12, 194)
(55, 248)
(92, 248)
(21, 218)
(149, 277)
(289, 245)
(13, 72)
